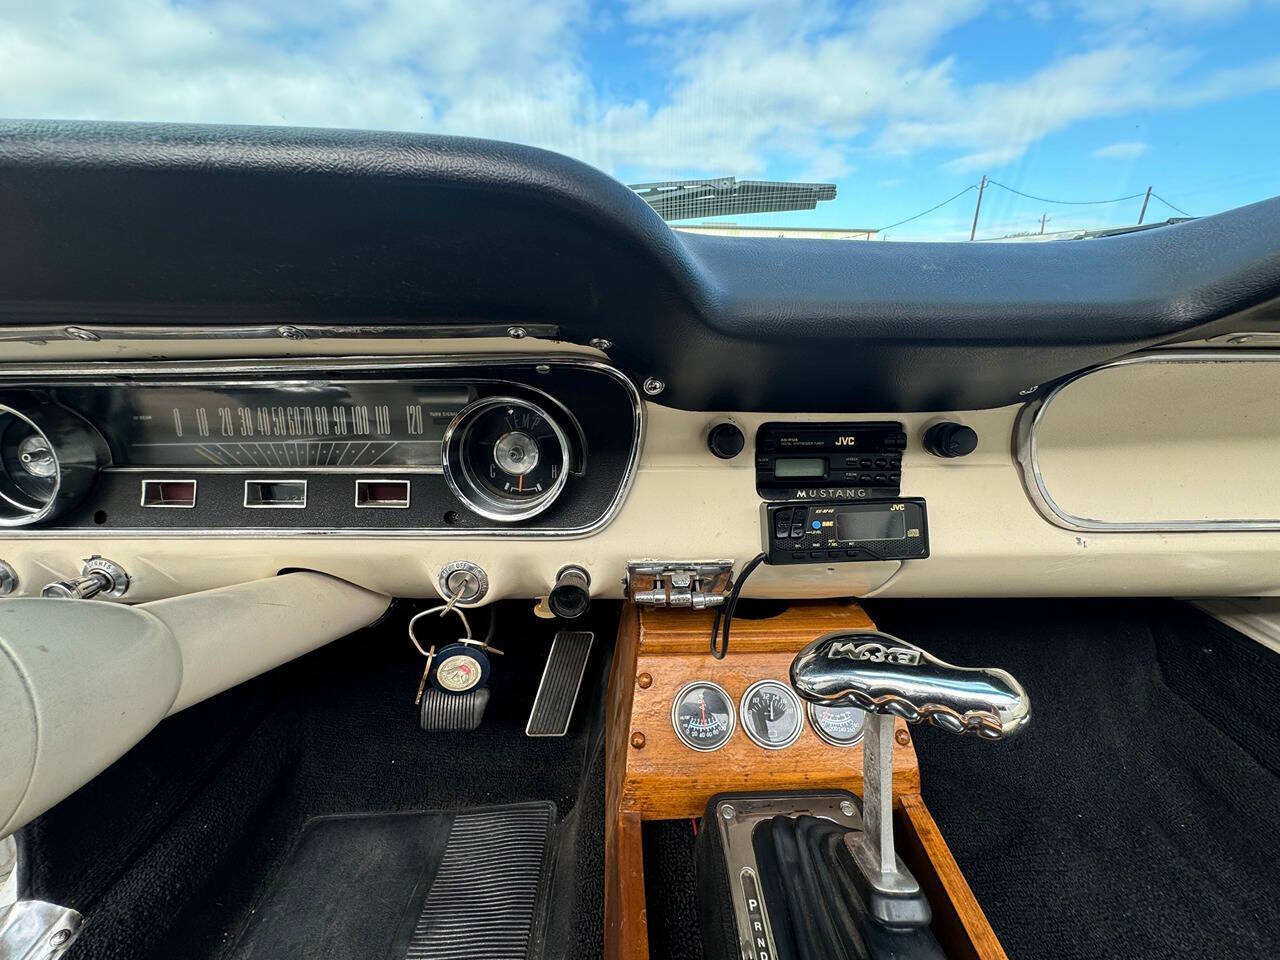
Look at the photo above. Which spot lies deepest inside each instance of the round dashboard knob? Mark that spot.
(726, 440)
(949, 440)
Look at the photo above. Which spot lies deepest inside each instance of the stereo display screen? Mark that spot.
(852, 526)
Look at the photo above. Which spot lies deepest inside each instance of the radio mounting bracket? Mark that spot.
(689, 584)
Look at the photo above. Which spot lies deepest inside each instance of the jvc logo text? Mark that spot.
(846, 441)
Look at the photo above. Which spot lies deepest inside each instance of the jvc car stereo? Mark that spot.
(829, 461)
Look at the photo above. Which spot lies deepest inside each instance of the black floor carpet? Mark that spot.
(1138, 817)
(169, 850)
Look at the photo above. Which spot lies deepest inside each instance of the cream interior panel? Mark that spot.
(1166, 440)
(987, 537)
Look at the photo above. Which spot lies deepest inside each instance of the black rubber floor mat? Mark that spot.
(464, 885)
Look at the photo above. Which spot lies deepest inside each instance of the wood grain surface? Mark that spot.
(653, 775)
(958, 921)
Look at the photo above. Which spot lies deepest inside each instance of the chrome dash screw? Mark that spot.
(517, 333)
(653, 386)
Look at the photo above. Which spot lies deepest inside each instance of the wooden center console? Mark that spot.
(653, 775)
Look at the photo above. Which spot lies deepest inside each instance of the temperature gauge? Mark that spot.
(839, 726)
(702, 714)
(771, 714)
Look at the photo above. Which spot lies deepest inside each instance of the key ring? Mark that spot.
(441, 609)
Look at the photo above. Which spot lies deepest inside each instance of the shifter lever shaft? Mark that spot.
(888, 677)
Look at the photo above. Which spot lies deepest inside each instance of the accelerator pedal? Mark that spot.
(452, 711)
(561, 680)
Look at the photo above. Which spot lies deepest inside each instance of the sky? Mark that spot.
(901, 103)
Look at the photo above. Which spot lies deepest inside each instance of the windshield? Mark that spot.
(923, 120)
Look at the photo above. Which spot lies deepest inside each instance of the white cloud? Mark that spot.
(738, 86)
(1121, 151)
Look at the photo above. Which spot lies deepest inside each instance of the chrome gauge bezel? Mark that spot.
(77, 453)
(795, 703)
(675, 715)
(826, 737)
(458, 471)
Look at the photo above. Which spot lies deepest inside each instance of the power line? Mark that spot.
(1070, 203)
(972, 186)
(1170, 205)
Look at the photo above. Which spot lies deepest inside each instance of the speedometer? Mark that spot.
(505, 458)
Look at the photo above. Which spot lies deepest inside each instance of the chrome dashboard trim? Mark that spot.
(161, 505)
(25, 371)
(295, 482)
(97, 332)
(1025, 438)
(376, 505)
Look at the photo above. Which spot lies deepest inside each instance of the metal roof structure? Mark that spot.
(720, 196)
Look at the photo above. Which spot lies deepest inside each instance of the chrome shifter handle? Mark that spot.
(888, 678)
(885, 675)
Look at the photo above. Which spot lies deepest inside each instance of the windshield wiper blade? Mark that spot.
(1135, 228)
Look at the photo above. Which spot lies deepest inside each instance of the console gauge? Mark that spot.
(771, 714)
(702, 715)
(838, 726)
(505, 458)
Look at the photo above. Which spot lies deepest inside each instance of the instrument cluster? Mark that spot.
(503, 445)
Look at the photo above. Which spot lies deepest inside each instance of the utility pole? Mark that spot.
(1145, 200)
(1043, 217)
(981, 187)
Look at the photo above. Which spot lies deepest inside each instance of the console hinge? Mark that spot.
(693, 585)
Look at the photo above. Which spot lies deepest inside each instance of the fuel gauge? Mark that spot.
(702, 715)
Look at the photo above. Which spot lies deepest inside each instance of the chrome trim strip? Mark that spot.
(293, 481)
(14, 371)
(161, 505)
(96, 332)
(1025, 440)
(377, 505)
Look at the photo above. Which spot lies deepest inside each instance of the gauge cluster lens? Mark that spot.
(838, 726)
(506, 458)
(28, 468)
(49, 458)
(702, 715)
(771, 714)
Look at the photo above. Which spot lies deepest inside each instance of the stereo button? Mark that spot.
(782, 524)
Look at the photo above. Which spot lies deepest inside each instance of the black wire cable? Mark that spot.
(1170, 205)
(1069, 203)
(972, 186)
(719, 650)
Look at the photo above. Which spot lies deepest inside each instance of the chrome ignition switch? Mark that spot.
(464, 581)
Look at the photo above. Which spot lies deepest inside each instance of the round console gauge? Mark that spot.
(702, 715)
(838, 726)
(771, 714)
